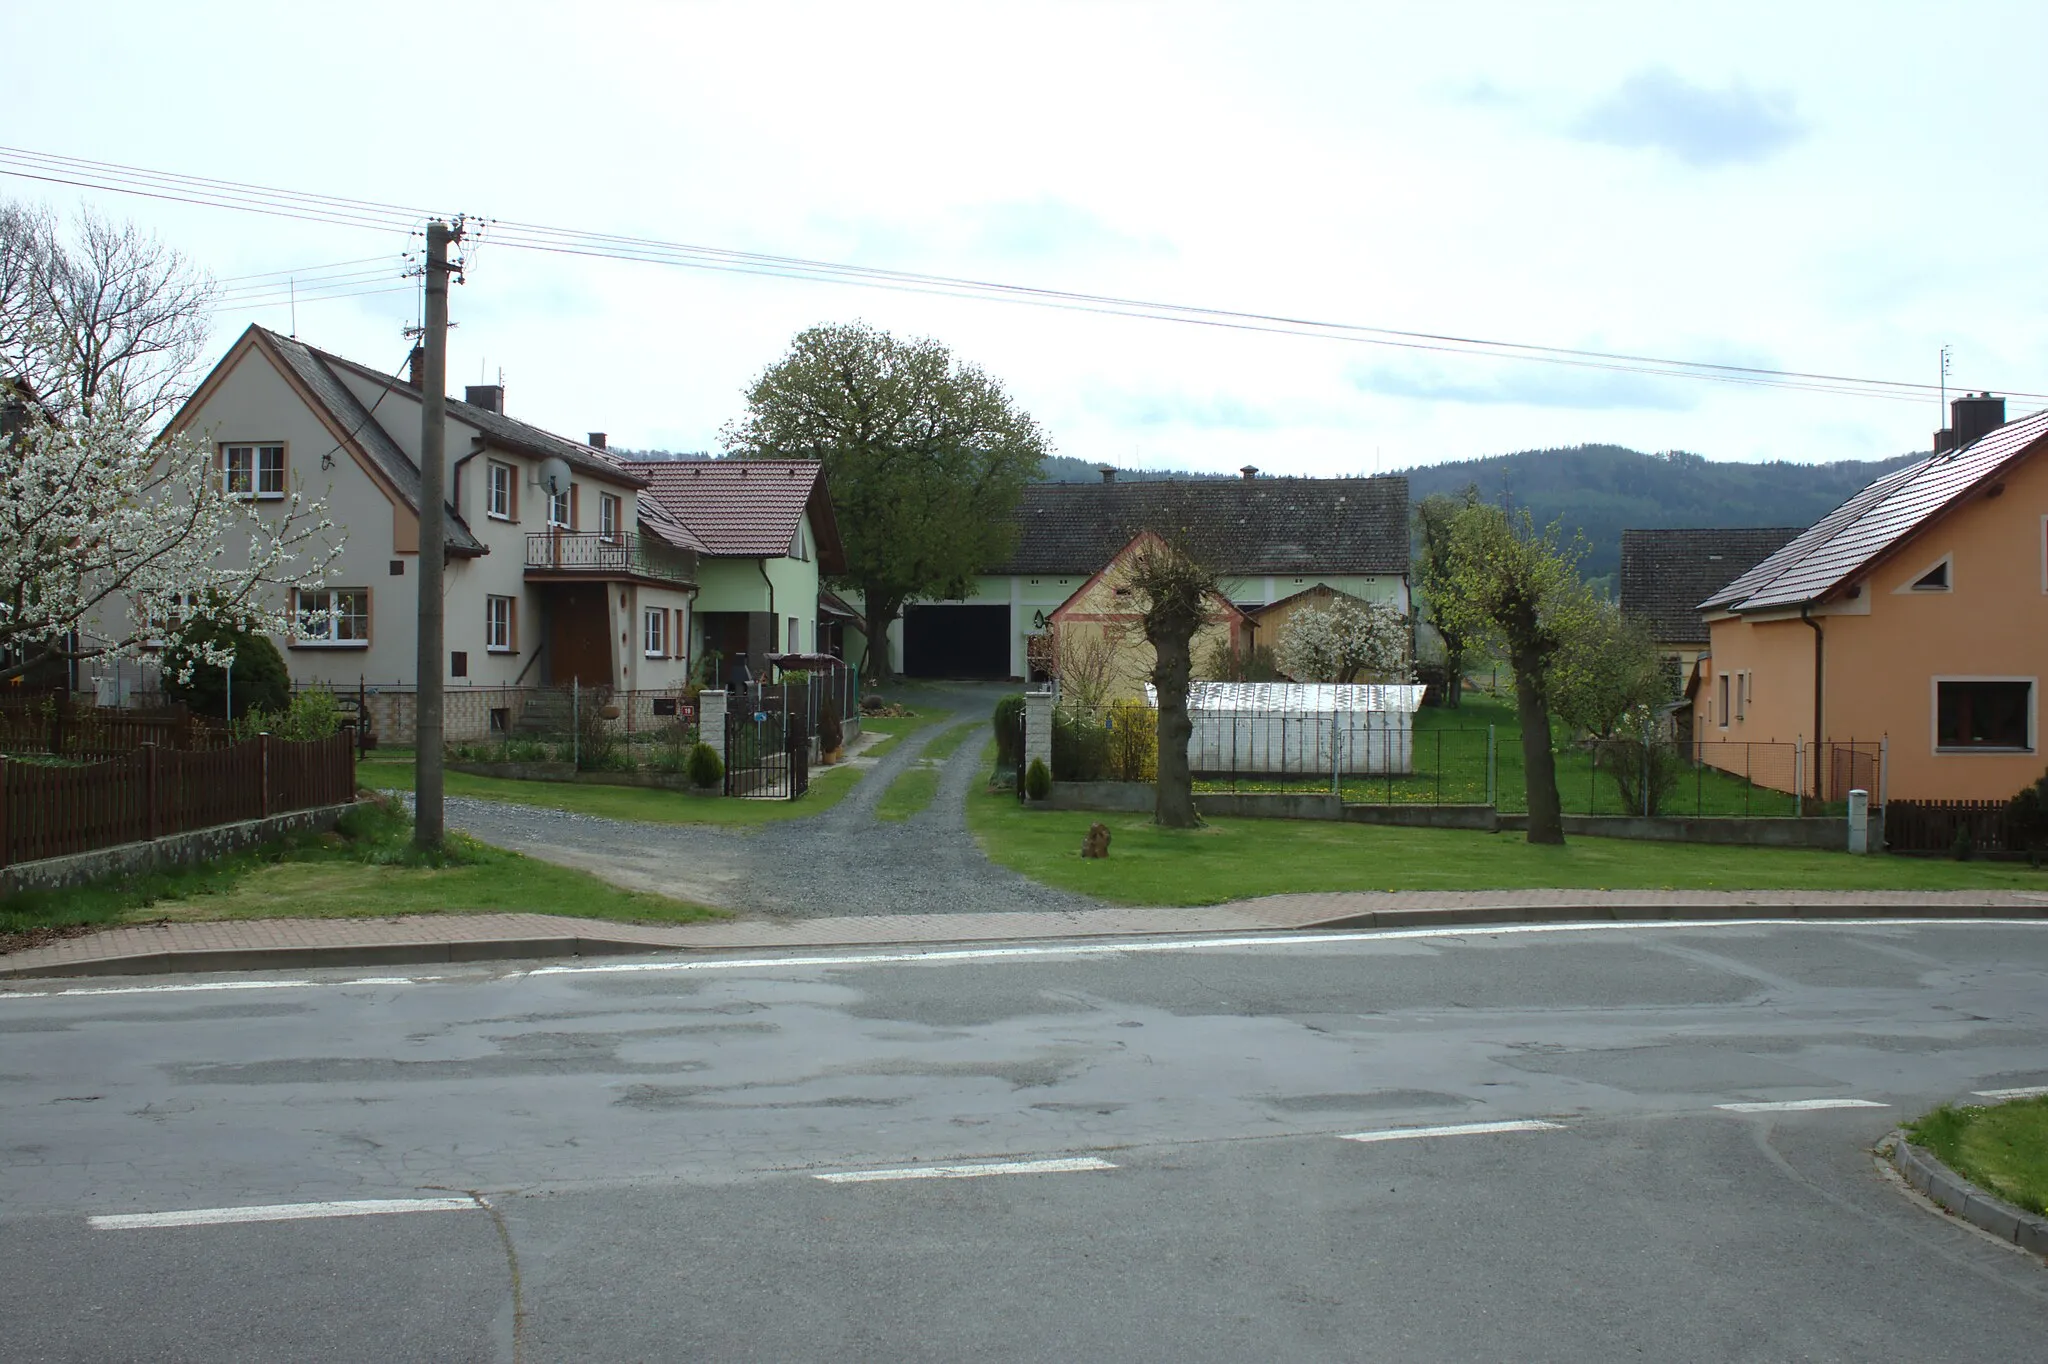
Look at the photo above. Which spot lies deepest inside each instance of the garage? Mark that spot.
(956, 641)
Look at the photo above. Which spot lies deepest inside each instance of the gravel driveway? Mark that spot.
(843, 861)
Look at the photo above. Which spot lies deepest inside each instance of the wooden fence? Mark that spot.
(54, 725)
(1932, 826)
(50, 809)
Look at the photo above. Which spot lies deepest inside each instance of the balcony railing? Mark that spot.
(588, 554)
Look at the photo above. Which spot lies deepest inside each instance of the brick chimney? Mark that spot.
(596, 441)
(1971, 418)
(1108, 472)
(1248, 472)
(490, 397)
(415, 366)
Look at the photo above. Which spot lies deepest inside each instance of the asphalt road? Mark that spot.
(634, 1161)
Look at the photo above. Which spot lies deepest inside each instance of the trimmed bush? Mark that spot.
(1080, 747)
(707, 769)
(260, 681)
(1038, 780)
(1008, 721)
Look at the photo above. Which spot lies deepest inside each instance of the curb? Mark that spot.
(306, 958)
(1481, 915)
(1921, 1169)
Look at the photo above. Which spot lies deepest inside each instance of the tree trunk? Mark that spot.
(1539, 764)
(874, 668)
(1454, 675)
(1173, 802)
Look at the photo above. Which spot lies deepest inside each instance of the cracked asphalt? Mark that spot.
(842, 861)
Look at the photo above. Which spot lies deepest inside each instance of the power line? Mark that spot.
(340, 211)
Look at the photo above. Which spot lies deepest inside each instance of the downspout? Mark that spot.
(762, 564)
(455, 473)
(1819, 656)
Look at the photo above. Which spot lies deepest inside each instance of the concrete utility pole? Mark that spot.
(427, 822)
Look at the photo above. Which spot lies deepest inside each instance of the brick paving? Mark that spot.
(252, 943)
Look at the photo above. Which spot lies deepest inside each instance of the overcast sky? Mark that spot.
(1830, 187)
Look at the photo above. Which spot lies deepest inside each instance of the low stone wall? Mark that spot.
(173, 850)
(566, 772)
(1135, 797)
(1483, 818)
(1825, 835)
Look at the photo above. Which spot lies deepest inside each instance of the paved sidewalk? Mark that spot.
(291, 944)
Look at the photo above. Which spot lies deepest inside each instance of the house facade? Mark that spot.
(560, 569)
(1102, 622)
(1915, 614)
(1269, 538)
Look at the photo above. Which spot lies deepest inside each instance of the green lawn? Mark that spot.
(1450, 769)
(893, 729)
(2002, 1148)
(1229, 859)
(367, 870)
(829, 786)
(911, 792)
(948, 743)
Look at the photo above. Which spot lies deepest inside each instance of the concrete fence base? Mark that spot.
(566, 772)
(173, 850)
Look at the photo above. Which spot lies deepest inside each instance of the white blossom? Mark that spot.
(1344, 641)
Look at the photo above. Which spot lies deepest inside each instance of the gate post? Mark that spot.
(1037, 731)
(711, 722)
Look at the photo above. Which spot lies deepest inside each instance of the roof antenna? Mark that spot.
(293, 282)
(1943, 414)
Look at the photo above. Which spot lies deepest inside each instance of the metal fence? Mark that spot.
(768, 743)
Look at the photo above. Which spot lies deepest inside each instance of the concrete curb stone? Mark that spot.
(1924, 1171)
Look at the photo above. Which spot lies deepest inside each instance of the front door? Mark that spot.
(579, 635)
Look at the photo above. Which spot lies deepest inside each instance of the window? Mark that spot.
(458, 663)
(800, 548)
(1741, 694)
(501, 625)
(1935, 579)
(608, 518)
(334, 617)
(1721, 697)
(562, 508)
(1984, 713)
(502, 494)
(253, 470)
(657, 632)
(795, 640)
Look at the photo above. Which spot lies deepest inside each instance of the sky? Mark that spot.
(1836, 188)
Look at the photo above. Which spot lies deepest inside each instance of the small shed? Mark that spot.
(1300, 729)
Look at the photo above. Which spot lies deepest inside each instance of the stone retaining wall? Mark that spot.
(173, 850)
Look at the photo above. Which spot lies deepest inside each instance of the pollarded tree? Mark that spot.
(1434, 517)
(926, 457)
(1343, 641)
(1506, 582)
(1175, 593)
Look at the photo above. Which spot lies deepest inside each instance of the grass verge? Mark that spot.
(893, 728)
(911, 792)
(368, 868)
(1230, 859)
(2002, 1148)
(948, 743)
(647, 805)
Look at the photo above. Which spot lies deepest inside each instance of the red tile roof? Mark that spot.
(746, 508)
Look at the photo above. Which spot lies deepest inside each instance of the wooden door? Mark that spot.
(580, 633)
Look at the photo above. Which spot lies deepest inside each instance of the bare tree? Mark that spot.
(104, 313)
(1176, 594)
(1084, 663)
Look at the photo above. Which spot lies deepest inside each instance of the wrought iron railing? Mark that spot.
(600, 556)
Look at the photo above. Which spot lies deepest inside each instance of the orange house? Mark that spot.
(1915, 613)
(1103, 616)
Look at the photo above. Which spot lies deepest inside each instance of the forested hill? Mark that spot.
(1602, 490)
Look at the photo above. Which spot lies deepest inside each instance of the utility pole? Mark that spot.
(427, 819)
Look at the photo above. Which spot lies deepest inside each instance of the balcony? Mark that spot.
(565, 554)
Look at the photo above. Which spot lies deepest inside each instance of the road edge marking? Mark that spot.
(279, 1212)
(1064, 1165)
(1456, 1129)
(1797, 1105)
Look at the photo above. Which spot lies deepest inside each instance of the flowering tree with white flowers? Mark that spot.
(1343, 641)
(114, 538)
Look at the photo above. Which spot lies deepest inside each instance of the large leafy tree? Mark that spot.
(926, 456)
(1511, 584)
(1434, 517)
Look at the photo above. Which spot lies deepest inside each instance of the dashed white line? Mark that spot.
(279, 1212)
(1069, 1165)
(2023, 1092)
(1799, 1105)
(1456, 1129)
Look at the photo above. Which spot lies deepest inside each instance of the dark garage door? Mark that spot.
(956, 641)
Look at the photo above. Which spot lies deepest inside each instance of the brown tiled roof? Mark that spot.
(745, 508)
(1666, 574)
(1239, 526)
(1851, 539)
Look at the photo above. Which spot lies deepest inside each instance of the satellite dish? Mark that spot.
(554, 476)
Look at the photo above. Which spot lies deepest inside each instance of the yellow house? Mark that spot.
(1103, 623)
(1916, 613)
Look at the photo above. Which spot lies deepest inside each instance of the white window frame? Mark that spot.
(796, 636)
(501, 624)
(1741, 695)
(1911, 587)
(1721, 681)
(1934, 743)
(654, 631)
(609, 513)
(324, 605)
(257, 473)
(501, 478)
(562, 509)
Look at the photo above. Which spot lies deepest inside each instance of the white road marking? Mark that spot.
(280, 1212)
(1069, 1165)
(1799, 1105)
(186, 989)
(2023, 1092)
(1456, 1129)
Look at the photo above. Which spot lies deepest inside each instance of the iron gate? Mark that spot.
(767, 753)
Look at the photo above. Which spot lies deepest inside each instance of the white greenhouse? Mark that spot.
(1300, 728)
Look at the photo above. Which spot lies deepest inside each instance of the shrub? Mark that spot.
(311, 714)
(831, 734)
(1080, 746)
(2026, 819)
(260, 681)
(1037, 780)
(597, 748)
(706, 768)
(1131, 745)
(1008, 721)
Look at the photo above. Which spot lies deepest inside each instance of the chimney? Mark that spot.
(490, 397)
(1109, 473)
(415, 366)
(1975, 416)
(596, 441)
(1249, 472)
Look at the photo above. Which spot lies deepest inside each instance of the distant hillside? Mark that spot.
(1067, 469)
(1602, 490)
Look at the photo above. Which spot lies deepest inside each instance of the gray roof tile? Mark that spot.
(1666, 573)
